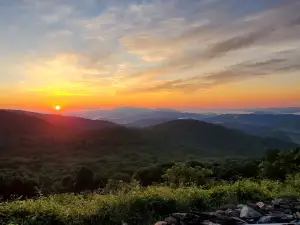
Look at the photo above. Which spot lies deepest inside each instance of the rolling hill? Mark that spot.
(148, 122)
(136, 116)
(212, 138)
(20, 125)
(282, 121)
(282, 126)
(16, 123)
(185, 135)
(28, 120)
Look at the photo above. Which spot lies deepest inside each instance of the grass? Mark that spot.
(136, 205)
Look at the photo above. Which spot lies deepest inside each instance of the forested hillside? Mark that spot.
(49, 152)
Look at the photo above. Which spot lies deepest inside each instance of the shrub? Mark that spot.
(183, 175)
(84, 179)
(139, 205)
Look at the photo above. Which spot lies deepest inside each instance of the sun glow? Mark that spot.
(57, 108)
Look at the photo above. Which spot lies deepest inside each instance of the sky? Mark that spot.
(196, 54)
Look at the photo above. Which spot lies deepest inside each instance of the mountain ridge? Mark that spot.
(177, 135)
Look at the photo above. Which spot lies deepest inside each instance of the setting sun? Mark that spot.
(57, 108)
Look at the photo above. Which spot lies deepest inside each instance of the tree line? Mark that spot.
(275, 165)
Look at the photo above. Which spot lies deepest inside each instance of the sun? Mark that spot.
(57, 108)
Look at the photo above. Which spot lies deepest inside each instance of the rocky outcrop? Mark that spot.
(277, 211)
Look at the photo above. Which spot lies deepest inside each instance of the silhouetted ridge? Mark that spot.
(214, 138)
(184, 135)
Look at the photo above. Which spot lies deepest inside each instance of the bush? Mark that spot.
(84, 179)
(183, 175)
(139, 205)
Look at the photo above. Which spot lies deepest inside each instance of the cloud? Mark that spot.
(60, 33)
(154, 45)
(237, 42)
(257, 69)
(265, 64)
(151, 49)
(50, 12)
(196, 47)
(237, 72)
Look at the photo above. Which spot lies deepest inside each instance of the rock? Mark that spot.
(220, 212)
(268, 208)
(276, 202)
(172, 221)
(207, 222)
(183, 218)
(287, 211)
(283, 210)
(287, 217)
(161, 223)
(256, 208)
(228, 206)
(276, 213)
(297, 215)
(284, 204)
(228, 213)
(260, 204)
(232, 213)
(265, 219)
(275, 219)
(238, 220)
(249, 213)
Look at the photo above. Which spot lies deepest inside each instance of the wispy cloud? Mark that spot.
(196, 47)
(131, 47)
(233, 73)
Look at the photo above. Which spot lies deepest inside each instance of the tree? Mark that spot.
(279, 164)
(23, 187)
(149, 175)
(3, 187)
(182, 175)
(84, 179)
(65, 185)
(271, 155)
(152, 175)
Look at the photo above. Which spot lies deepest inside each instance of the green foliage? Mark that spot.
(152, 174)
(183, 175)
(233, 169)
(119, 186)
(278, 164)
(53, 173)
(84, 179)
(17, 187)
(139, 205)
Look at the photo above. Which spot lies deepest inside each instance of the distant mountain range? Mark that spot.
(95, 135)
(127, 115)
(286, 110)
(16, 125)
(124, 115)
(283, 126)
(280, 123)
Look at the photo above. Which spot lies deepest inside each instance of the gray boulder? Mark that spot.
(249, 213)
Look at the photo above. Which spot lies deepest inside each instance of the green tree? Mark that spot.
(25, 188)
(3, 187)
(183, 175)
(84, 179)
(279, 164)
(150, 175)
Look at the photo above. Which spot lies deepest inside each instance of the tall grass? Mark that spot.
(139, 205)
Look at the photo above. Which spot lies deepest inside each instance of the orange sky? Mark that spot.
(149, 54)
(228, 96)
